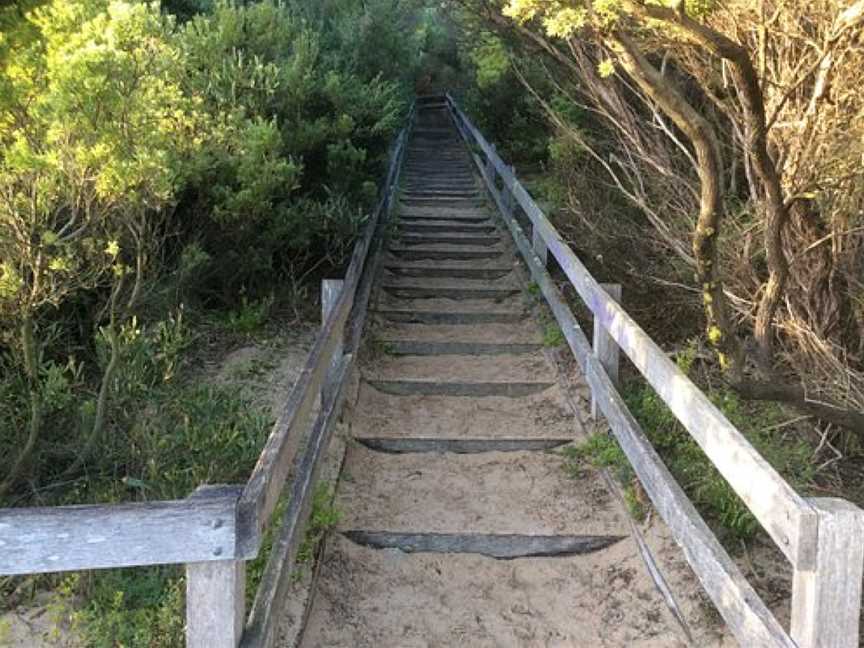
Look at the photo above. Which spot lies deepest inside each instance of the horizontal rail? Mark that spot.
(786, 516)
(201, 528)
(283, 554)
(745, 613)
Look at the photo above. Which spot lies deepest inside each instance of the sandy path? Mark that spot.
(392, 598)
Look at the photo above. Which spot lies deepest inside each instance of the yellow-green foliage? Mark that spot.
(92, 120)
(564, 19)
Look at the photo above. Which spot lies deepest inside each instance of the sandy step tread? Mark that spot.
(497, 492)
(539, 416)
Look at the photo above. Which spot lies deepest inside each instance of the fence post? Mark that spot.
(605, 348)
(215, 603)
(490, 167)
(330, 291)
(507, 198)
(539, 245)
(826, 599)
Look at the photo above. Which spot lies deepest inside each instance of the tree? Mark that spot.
(92, 118)
(694, 65)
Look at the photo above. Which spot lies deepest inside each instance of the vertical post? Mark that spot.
(330, 291)
(215, 603)
(490, 168)
(826, 599)
(507, 192)
(539, 245)
(605, 348)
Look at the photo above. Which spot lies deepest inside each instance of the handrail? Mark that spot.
(218, 528)
(810, 533)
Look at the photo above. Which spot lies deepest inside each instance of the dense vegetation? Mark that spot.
(169, 174)
(147, 164)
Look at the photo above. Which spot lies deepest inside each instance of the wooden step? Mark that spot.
(415, 239)
(474, 389)
(421, 254)
(408, 445)
(456, 273)
(455, 318)
(421, 292)
(423, 228)
(422, 348)
(499, 546)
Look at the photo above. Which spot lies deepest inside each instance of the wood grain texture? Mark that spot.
(215, 604)
(744, 612)
(330, 291)
(37, 540)
(784, 514)
(605, 348)
(826, 600)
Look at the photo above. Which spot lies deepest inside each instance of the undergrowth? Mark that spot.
(704, 485)
(172, 433)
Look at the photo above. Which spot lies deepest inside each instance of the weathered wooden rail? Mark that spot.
(822, 538)
(218, 528)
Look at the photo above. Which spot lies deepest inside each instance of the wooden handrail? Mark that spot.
(64, 538)
(822, 538)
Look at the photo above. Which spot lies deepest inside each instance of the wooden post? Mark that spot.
(330, 291)
(826, 599)
(490, 167)
(539, 245)
(605, 348)
(215, 604)
(507, 192)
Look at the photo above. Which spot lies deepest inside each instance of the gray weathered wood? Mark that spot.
(745, 613)
(784, 514)
(605, 348)
(262, 621)
(493, 545)
(37, 540)
(826, 600)
(215, 604)
(268, 477)
(539, 246)
(330, 291)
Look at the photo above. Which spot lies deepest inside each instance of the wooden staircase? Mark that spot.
(460, 526)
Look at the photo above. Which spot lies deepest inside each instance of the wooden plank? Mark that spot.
(505, 546)
(784, 514)
(605, 348)
(65, 538)
(215, 604)
(262, 620)
(330, 291)
(262, 490)
(539, 246)
(745, 613)
(826, 600)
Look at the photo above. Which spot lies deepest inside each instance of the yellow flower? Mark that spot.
(112, 249)
(606, 68)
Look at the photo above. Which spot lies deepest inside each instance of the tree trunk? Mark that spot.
(661, 89)
(31, 370)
